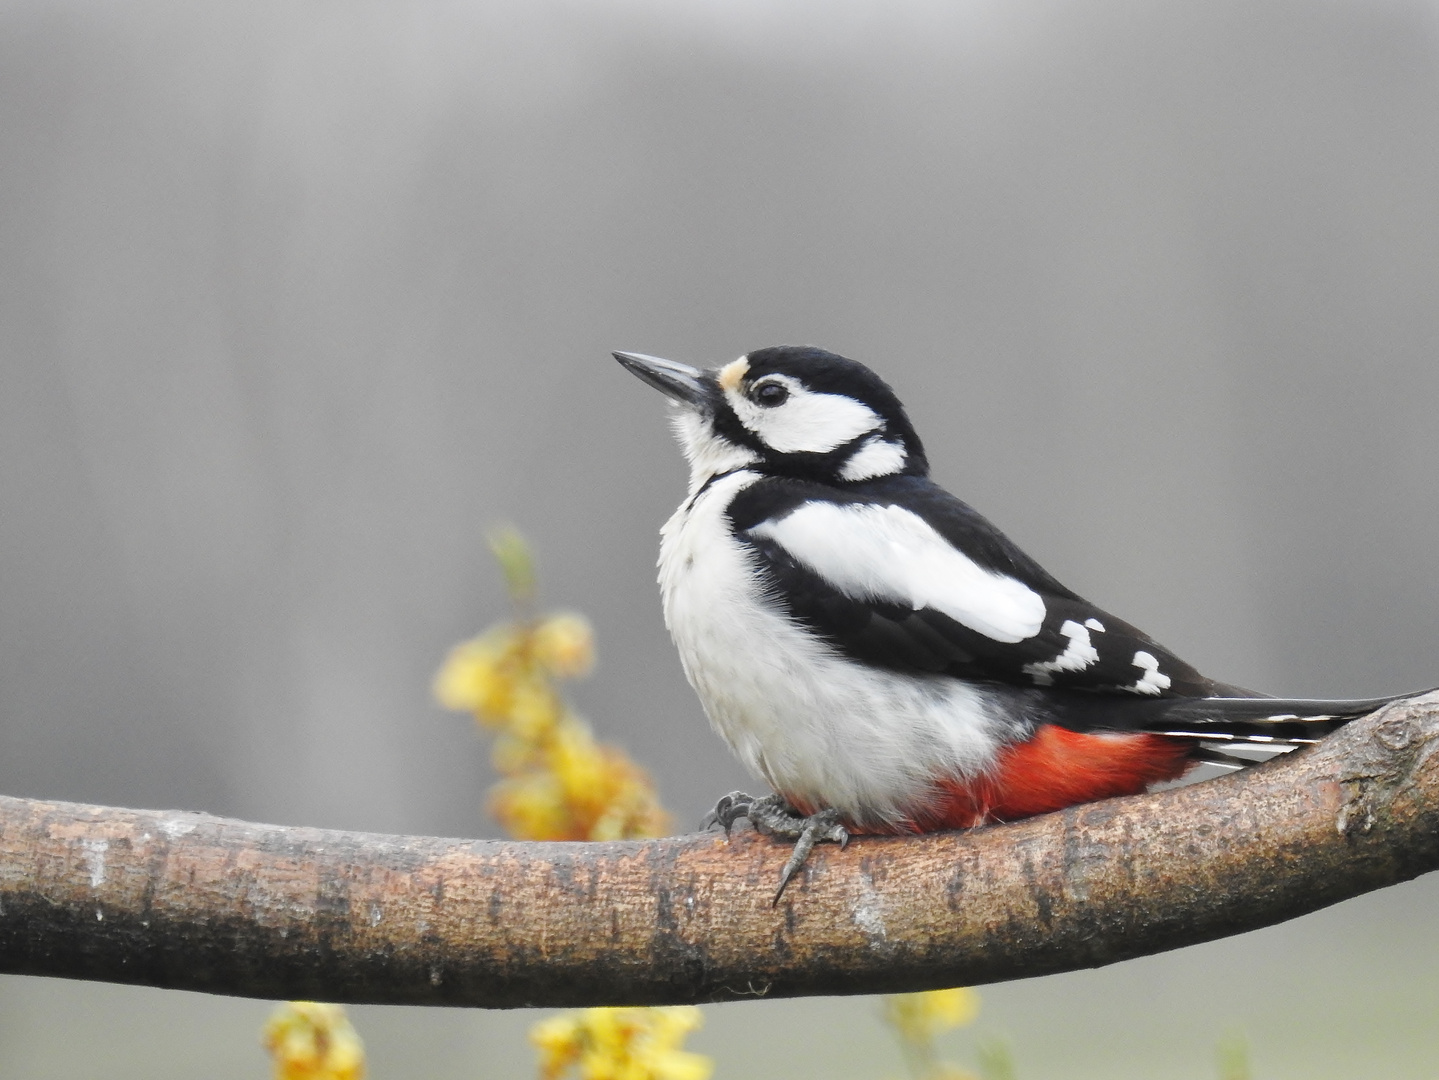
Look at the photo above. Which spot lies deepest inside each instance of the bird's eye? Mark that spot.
(771, 394)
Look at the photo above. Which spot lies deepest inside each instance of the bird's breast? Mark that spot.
(822, 729)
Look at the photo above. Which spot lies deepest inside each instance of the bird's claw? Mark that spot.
(728, 810)
(773, 816)
(821, 826)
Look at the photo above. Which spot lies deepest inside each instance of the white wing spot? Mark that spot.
(1153, 681)
(1077, 655)
(1094, 624)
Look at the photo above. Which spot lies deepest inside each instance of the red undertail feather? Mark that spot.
(1054, 769)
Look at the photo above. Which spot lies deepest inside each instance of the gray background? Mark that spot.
(299, 297)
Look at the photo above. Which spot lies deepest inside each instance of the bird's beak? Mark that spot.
(687, 385)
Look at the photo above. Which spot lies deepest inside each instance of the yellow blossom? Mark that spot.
(510, 755)
(532, 806)
(579, 766)
(313, 1041)
(560, 1043)
(534, 711)
(559, 782)
(471, 678)
(920, 1017)
(621, 1044)
(565, 646)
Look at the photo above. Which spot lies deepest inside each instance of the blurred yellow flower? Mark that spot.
(313, 1041)
(532, 806)
(471, 678)
(621, 1044)
(1233, 1053)
(559, 782)
(565, 645)
(920, 1017)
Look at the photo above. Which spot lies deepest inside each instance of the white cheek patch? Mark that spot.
(1077, 655)
(1152, 681)
(887, 553)
(876, 457)
(807, 422)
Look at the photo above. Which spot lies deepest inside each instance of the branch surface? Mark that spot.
(189, 901)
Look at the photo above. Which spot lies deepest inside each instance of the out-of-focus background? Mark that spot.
(299, 296)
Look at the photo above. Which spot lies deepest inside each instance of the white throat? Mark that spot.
(707, 453)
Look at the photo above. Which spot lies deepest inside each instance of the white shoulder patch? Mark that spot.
(877, 457)
(887, 553)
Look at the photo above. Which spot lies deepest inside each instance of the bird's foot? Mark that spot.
(728, 810)
(773, 815)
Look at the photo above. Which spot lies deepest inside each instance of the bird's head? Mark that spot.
(790, 410)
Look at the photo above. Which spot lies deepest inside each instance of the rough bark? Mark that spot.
(190, 901)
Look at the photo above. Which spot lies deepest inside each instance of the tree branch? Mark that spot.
(195, 902)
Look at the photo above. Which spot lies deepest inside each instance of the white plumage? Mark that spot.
(877, 457)
(708, 455)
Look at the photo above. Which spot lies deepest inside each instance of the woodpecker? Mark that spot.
(881, 655)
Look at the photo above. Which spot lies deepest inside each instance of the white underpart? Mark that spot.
(876, 457)
(707, 453)
(1077, 655)
(887, 553)
(1153, 681)
(818, 727)
(807, 422)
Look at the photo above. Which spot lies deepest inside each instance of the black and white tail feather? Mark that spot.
(1237, 732)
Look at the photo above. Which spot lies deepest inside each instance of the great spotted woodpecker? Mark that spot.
(884, 657)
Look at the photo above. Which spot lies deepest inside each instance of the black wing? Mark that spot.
(881, 613)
